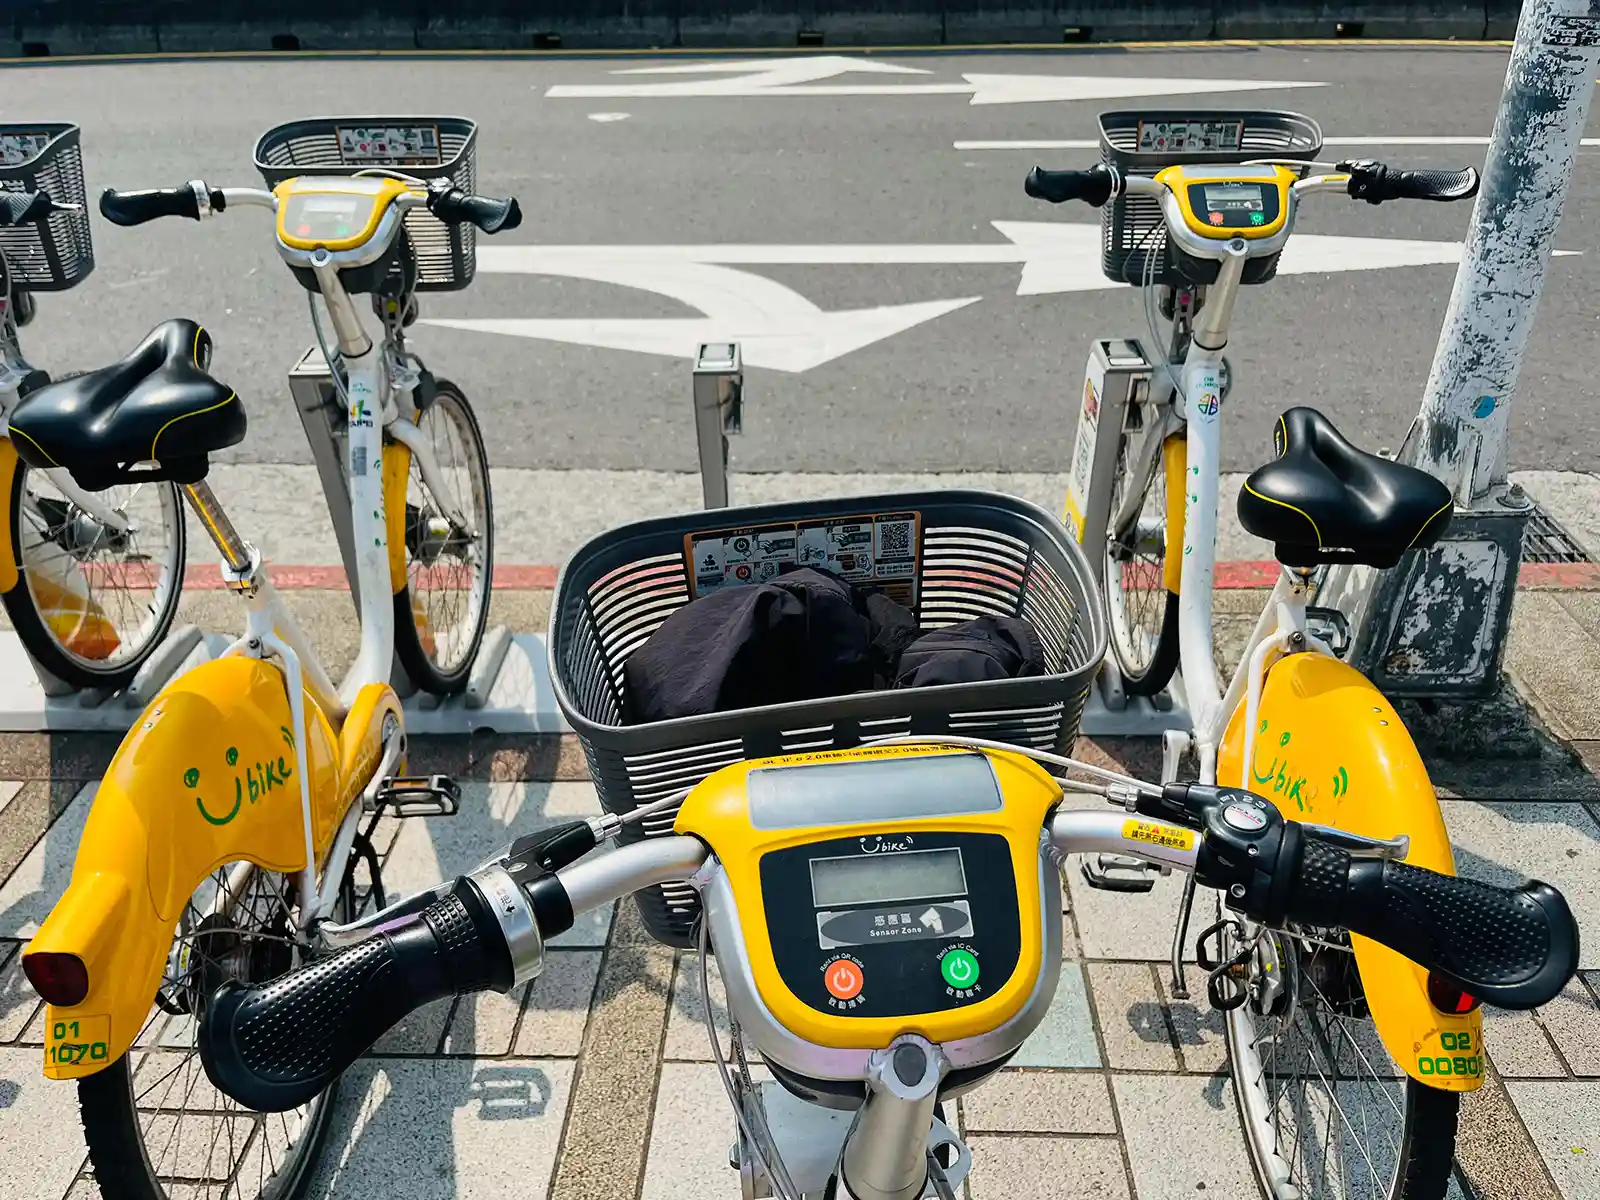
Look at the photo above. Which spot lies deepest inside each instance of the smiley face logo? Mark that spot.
(191, 780)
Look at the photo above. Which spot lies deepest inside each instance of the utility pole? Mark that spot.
(1436, 625)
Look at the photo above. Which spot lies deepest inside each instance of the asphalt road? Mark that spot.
(988, 387)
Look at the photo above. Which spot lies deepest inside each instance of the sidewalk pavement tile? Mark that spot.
(1494, 1150)
(1065, 1038)
(197, 1148)
(1552, 653)
(429, 850)
(8, 789)
(1040, 1102)
(483, 1025)
(686, 1023)
(1505, 843)
(694, 1127)
(1564, 1119)
(18, 1001)
(1201, 1029)
(1126, 926)
(1573, 1020)
(35, 1107)
(557, 1011)
(163, 1080)
(467, 1129)
(1132, 1024)
(1011, 1168)
(1162, 1112)
(1518, 1046)
(42, 876)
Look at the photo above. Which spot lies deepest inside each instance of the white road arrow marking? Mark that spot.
(802, 76)
(776, 327)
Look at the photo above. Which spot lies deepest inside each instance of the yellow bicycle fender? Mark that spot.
(1175, 464)
(8, 552)
(396, 470)
(1330, 749)
(206, 777)
(361, 742)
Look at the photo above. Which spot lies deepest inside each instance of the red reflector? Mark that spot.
(61, 979)
(1449, 997)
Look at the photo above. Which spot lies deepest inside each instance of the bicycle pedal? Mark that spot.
(1118, 873)
(419, 796)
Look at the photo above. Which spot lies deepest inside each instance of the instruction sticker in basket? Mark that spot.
(390, 145)
(1169, 137)
(876, 549)
(18, 148)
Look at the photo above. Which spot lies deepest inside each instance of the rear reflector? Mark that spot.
(61, 979)
(1450, 997)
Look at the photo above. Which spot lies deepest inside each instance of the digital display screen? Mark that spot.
(887, 878)
(1189, 136)
(1234, 197)
(327, 216)
(871, 790)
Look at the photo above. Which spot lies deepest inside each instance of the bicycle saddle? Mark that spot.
(158, 405)
(1324, 501)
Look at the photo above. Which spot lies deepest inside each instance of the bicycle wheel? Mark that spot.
(1143, 615)
(1326, 1113)
(156, 1127)
(91, 602)
(441, 616)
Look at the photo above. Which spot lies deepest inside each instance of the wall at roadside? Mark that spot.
(53, 28)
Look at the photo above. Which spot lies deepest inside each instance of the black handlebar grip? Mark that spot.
(1375, 183)
(492, 216)
(1515, 948)
(135, 208)
(23, 208)
(277, 1045)
(1093, 186)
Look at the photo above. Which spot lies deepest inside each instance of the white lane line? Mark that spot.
(1093, 144)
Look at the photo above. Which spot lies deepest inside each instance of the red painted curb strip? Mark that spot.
(529, 577)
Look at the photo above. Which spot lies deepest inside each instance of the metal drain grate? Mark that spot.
(1544, 540)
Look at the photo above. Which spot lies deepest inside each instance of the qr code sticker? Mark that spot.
(894, 538)
(358, 460)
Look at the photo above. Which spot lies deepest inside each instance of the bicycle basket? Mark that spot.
(1141, 142)
(423, 147)
(953, 556)
(57, 253)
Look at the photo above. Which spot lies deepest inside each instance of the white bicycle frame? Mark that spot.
(1200, 391)
(370, 388)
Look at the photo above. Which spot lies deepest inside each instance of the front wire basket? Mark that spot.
(56, 253)
(971, 554)
(424, 147)
(1133, 240)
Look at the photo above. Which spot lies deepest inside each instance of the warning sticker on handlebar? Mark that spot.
(871, 550)
(1169, 836)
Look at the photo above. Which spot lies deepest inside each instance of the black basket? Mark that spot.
(430, 148)
(1133, 239)
(56, 253)
(979, 554)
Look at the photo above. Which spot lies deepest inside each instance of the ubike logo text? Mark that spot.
(251, 781)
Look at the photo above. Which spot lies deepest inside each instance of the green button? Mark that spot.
(959, 968)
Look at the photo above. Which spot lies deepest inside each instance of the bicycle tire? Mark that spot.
(33, 627)
(109, 1111)
(1143, 674)
(412, 643)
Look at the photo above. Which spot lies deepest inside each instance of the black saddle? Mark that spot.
(1324, 501)
(157, 406)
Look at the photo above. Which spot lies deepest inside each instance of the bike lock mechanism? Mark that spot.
(718, 412)
(887, 1156)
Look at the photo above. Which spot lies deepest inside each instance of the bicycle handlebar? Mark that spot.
(137, 208)
(274, 1046)
(455, 207)
(1375, 183)
(1094, 186)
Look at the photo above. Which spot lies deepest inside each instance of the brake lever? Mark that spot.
(1357, 846)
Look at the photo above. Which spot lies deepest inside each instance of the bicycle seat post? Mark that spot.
(240, 562)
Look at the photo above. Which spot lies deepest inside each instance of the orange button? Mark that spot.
(844, 979)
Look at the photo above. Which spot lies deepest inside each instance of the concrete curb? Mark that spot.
(57, 28)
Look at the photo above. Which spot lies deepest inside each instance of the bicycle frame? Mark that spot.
(1370, 780)
(142, 856)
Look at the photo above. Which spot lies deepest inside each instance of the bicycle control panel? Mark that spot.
(883, 888)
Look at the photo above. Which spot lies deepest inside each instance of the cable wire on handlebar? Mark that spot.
(1044, 756)
(777, 1173)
